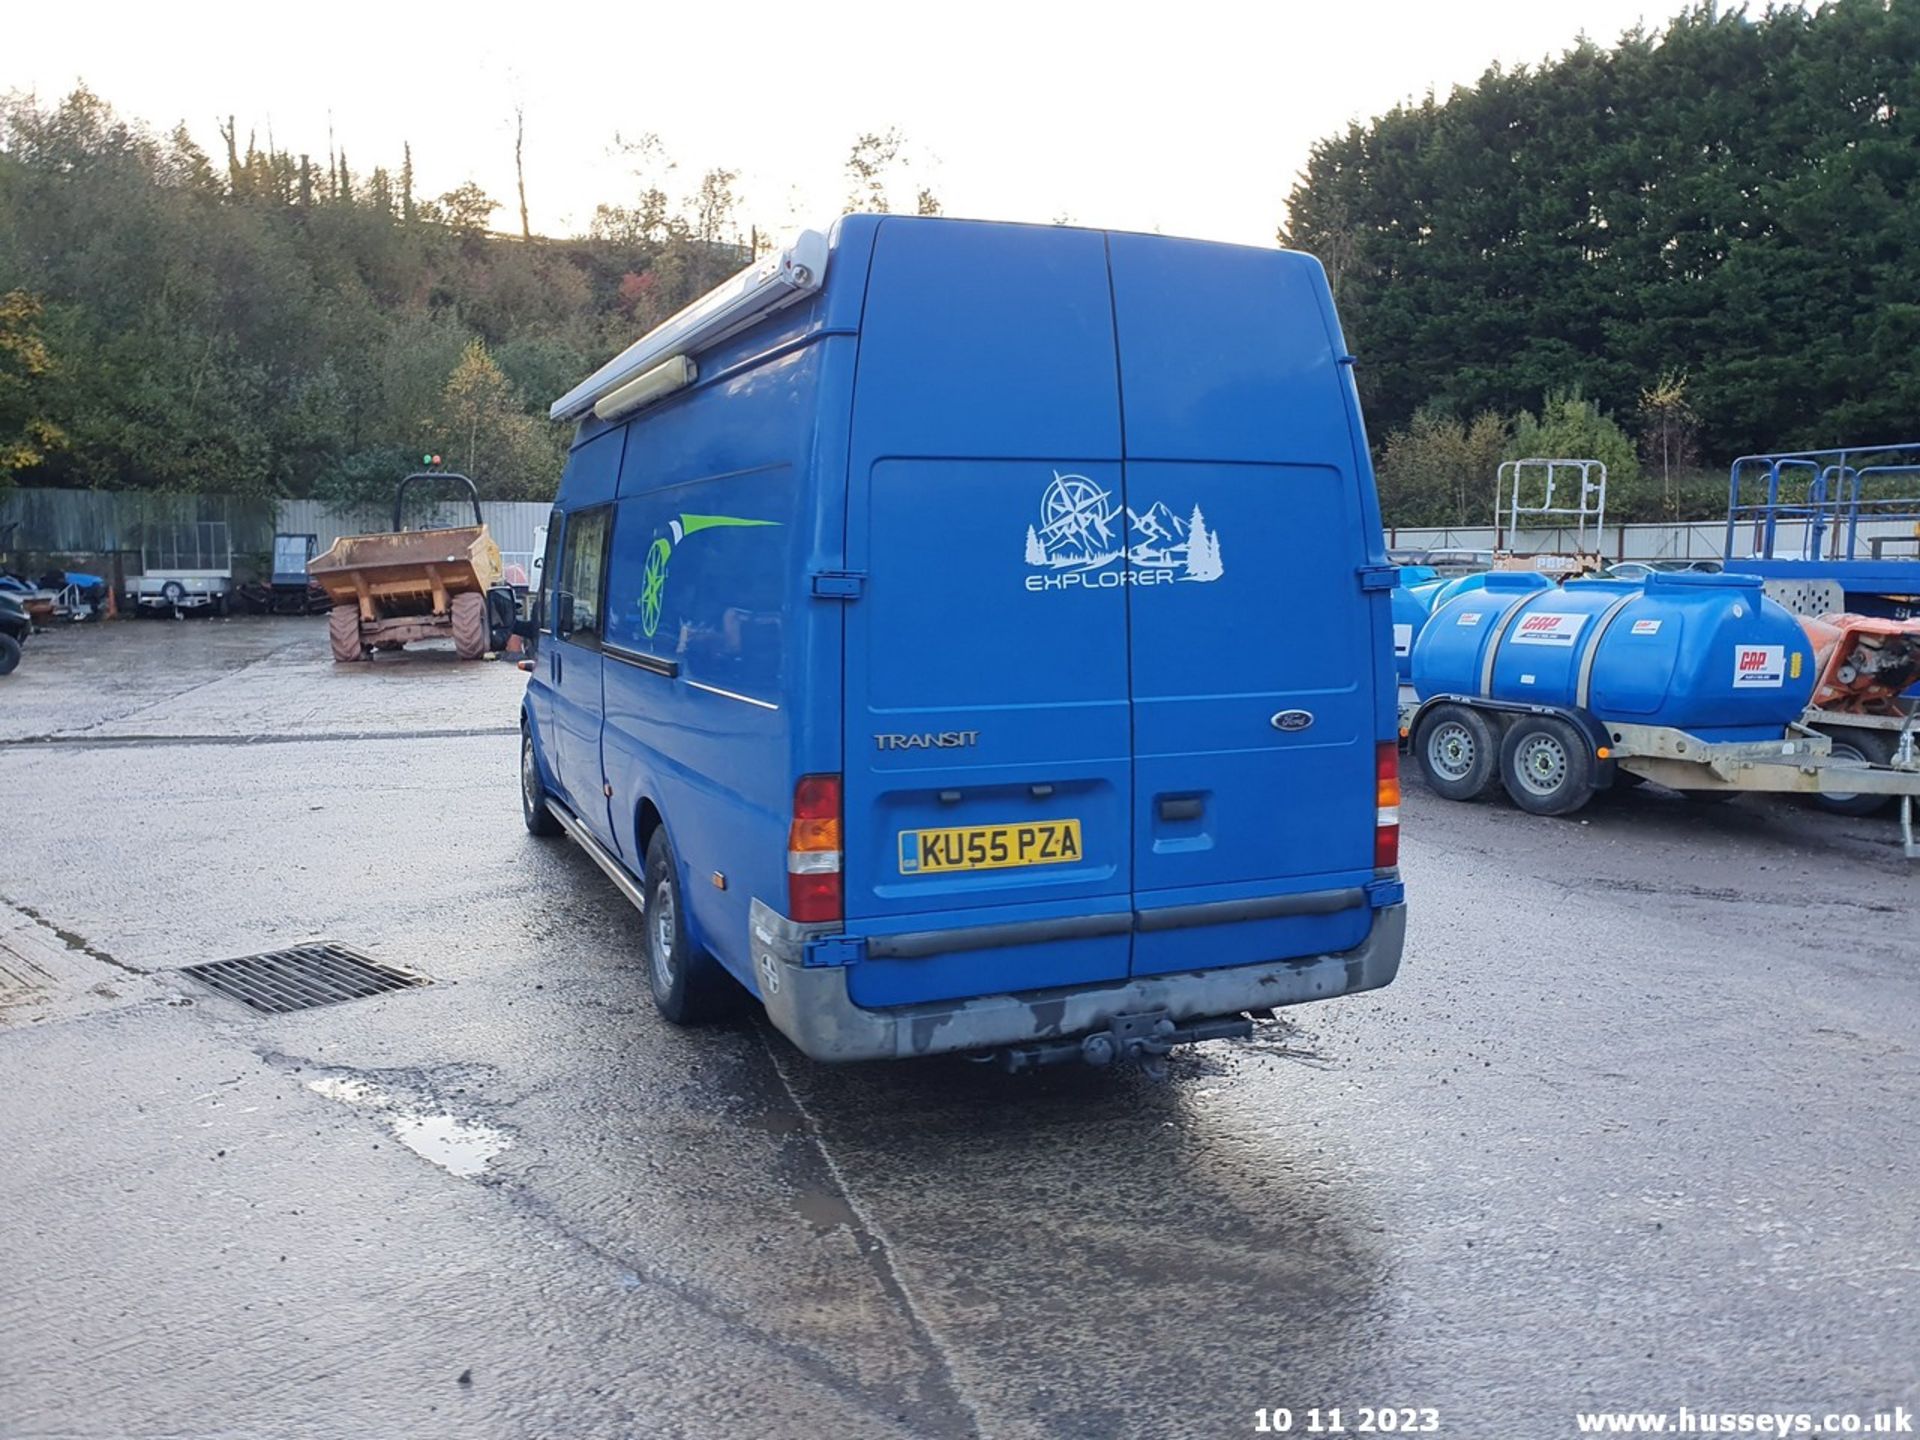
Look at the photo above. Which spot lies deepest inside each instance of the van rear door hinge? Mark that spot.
(1379, 577)
(834, 950)
(838, 584)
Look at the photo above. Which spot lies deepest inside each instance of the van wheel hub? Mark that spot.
(663, 927)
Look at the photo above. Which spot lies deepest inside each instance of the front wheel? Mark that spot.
(688, 984)
(469, 614)
(1458, 750)
(533, 792)
(1544, 765)
(9, 654)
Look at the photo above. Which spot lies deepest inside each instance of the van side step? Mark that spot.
(1143, 1038)
(599, 854)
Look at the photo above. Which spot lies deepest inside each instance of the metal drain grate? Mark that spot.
(301, 978)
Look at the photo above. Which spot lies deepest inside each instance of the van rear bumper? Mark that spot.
(810, 1005)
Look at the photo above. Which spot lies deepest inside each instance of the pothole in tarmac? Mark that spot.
(458, 1146)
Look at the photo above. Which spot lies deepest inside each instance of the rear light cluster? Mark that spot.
(1386, 800)
(814, 851)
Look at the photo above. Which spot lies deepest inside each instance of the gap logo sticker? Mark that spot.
(1085, 538)
(1548, 627)
(1646, 627)
(1469, 617)
(1759, 667)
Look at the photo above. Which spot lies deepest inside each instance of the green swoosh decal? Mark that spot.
(691, 524)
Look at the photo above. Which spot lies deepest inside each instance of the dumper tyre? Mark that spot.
(9, 654)
(1544, 765)
(343, 634)
(533, 790)
(1873, 747)
(1459, 752)
(469, 625)
(688, 984)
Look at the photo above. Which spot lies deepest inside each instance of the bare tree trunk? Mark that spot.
(520, 169)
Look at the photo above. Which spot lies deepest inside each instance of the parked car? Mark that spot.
(14, 629)
(892, 694)
(1451, 562)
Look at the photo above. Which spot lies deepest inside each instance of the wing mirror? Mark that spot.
(562, 614)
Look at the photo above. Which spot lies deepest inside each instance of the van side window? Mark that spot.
(583, 573)
(549, 575)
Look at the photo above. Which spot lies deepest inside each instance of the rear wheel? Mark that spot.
(1458, 751)
(469, 625)
(343, 633)
(1868, 747)
(9, 654)
(688, 984)
(1543, 764)
(533, 792)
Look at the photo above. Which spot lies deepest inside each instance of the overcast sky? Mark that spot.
(1190, 117)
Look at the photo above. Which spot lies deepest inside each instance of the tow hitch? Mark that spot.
(1143, 1039)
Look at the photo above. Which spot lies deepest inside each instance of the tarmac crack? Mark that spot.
(631, 1275)
(69, 938)
(879, 1251)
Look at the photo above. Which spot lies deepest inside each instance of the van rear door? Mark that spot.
(1252, 647)
(988, 778)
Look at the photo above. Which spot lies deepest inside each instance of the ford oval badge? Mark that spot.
(1293, 720)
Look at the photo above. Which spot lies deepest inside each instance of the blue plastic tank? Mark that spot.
(1409, 614)
(1708, 654)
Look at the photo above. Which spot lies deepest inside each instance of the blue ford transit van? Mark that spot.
(973, 637)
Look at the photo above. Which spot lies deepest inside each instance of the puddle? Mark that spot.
(460, 1147)
(824, 1211)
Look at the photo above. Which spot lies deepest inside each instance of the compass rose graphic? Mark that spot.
(1077, 522)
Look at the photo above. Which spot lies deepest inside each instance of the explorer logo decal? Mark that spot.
(1084, 537)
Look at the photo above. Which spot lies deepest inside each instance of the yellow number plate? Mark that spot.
(989, 847)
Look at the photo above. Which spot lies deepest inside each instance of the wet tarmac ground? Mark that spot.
(1634, 1129)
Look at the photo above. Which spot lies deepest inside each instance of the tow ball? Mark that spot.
(1143, 1039)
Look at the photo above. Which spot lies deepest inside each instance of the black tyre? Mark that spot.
(343, 634)
(469, 613)
(1544, 765)
(9, 654)
(1869, 747)
(1459, 752)
(533, 792)
(688, 984)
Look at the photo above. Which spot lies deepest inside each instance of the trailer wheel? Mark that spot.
(1543, 764)
(9, 654)
(533, 793)
(1870, 747)
(343, 633)
(1459, 752)
(688, 984)
(469, 625)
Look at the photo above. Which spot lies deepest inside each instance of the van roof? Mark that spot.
(760, 289)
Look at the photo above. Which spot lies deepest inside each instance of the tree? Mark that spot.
(520, 168)
(465, 209)
(26, 432)
(1036, 552)
(1669, 432)
(1666, 205)
(484, 431)
(1439, 470)
(1203, 549)
(869, 164)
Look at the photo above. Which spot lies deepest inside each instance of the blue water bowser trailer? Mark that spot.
(1699, 682)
